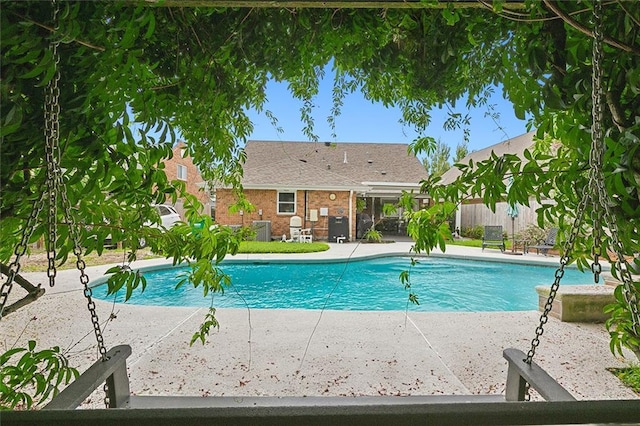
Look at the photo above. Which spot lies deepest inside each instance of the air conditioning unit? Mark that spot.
(263, 230)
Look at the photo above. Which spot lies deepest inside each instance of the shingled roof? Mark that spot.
(329, 165)
(515, 146)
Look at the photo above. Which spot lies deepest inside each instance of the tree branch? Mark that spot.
(578, 26)
(53, 30)
(633, 18)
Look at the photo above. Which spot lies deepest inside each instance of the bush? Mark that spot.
(532, 234)
(474, 233)
(373, 236)
(28, 378)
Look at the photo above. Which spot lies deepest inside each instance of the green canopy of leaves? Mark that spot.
(197, 70)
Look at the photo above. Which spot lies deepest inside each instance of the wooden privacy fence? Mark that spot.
(477, 214)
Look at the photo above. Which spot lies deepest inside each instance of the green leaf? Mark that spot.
(41, 67)
(413, 298)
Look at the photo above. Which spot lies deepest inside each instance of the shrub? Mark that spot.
(532, 234)
(29, 377)
(373, 235)
(474, 233)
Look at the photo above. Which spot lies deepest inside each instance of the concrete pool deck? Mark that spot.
(331, 353)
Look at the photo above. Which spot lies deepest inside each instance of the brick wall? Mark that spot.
(193, 177)
(266, 200)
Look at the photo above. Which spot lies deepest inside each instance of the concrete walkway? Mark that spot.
(331, 353)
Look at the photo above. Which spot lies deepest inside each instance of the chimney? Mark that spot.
(345, 158)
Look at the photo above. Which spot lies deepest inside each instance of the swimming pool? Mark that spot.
(442, 284)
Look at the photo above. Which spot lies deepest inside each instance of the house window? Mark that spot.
(286, 202)
(182, 172)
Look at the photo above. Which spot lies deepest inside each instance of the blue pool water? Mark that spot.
(441, 284)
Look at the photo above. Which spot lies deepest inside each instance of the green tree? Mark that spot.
(437, 162)
(462, 150)
(438, 157)
(133, 74)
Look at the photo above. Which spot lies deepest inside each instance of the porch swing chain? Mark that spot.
(56, 185)
(601, 211)
(596, 154)
(51, 133)
(595, 162)
(20, 250)
(51, 127)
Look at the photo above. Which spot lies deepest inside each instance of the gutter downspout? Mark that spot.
(350, 214)
(306, 207)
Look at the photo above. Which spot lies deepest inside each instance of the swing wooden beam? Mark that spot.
(560, 406)
(398, 411)
(401, 414)
(114, 372)
(33, 292)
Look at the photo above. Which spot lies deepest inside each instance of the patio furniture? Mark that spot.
(546, 244)
(295, 229)
(523, 244)
(493, 236)
(305, 236)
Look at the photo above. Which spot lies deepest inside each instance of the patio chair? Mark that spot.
(493, 236)
(295, 236)
(546, 244)
(305, 236)
(295, 229)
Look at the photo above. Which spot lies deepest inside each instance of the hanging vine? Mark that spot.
(197, 70)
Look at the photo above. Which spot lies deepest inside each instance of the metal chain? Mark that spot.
(564, 261)
(84, 278)
(600, 208)
(595, 162)
(567, 249)
(624, 268)
(597, 176)
(52, 127)
(20, 250)
(597, 136)
(56, 185)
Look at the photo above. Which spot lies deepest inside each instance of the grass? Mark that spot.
(630, 376)
(465, 243)
(36, 261)
(472, 243)
(280, 247)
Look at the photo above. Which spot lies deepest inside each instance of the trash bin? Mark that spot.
(338, 227)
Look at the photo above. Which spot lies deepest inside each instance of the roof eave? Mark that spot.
(281, 187)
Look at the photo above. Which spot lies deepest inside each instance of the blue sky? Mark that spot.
(363, 121)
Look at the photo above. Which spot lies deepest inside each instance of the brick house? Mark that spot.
(321, 183)
(181, 167)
